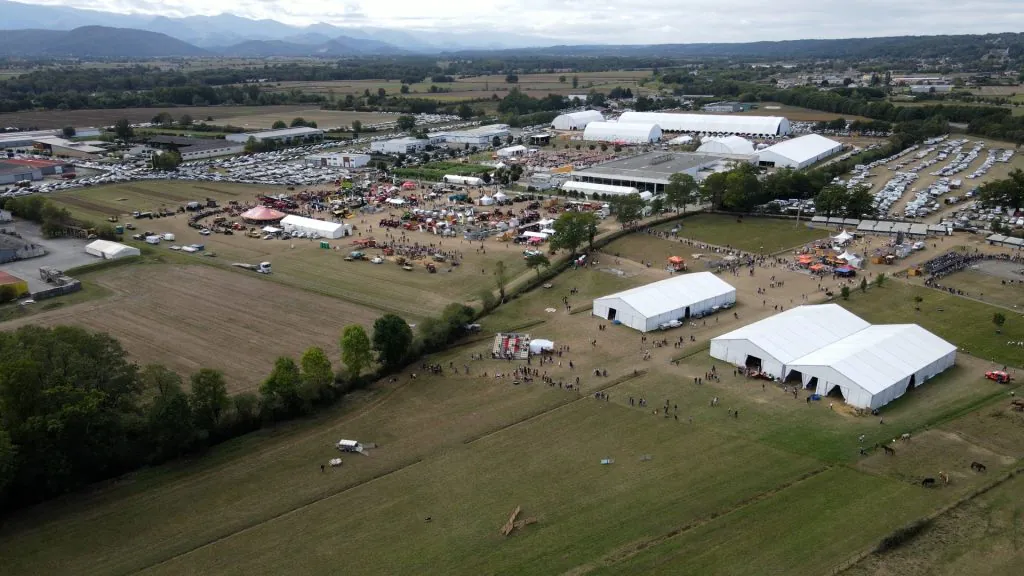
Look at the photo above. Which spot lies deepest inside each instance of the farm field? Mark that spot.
(715, 491)
(989, 288)
(796, 113)
(192, 317)
(254, 117)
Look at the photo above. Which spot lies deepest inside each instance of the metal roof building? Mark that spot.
(799, 152)
(649, 171)
(576, 120)
(646, 307)
(282, 134)
(590, 188)
(742, 125)
(619, 132)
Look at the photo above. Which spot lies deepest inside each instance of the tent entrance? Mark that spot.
(812, 384)
(753, 362)
(611, 313)
(836, 392)
(686, 313)
(912, 385)
(794, 376)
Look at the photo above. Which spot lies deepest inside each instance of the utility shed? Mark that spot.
(770, 345)
(110, 250)
(576, 120)
(619, 132)
(799, 152)
(876, 365)
(646, 307)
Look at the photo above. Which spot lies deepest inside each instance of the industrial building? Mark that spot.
(799, 152)
(338, 160)
(835, 353)
(480, 136)
(647, 307)
(723, 107)
(110, 250)
(310, 226)
(197, 148)
(282, 135)
(623, 133)
(407, 145)
(589, 188)
(25, 139)
(17, 286)
(14, 248)
(758, 126)
(726, 145)
(62, 147)
(650, 171)
(12, 173)
(931, 88)
(45, 167)
(576, 120)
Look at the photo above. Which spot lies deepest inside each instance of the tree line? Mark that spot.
(53, 219)
(75, 410)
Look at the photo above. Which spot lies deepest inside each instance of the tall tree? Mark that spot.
(209, 398)
(572, 229)
(830, 200)
(680, 191)
(280, 391)
(356, 352)
(537, 261)
(170, 421)
(357, 127)
(317, 373)
(123, 129)
(501, 279)
(68, 131)
(406, 122)
(392, 338)
(279, 125)
(742, 188)
(712, 190)
(860, 203)
(1006, 192)
(628, 208)
(464, 111)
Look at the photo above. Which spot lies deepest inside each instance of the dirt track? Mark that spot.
(191, 317)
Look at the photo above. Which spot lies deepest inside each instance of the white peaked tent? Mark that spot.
(539, 345)
(111, 250)
(851, 259)
(486, 200)
(576, 120)
(499, 196)
(876, 365)
(680, 297)
(619, 132)
(292, 223)
(843, 237)
(727, 145)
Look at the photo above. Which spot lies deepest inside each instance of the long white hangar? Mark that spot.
(742, 125)
(646, 307)
(835, 353)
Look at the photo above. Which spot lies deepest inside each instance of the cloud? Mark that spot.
(631, 22)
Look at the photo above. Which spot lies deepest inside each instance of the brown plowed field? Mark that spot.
(191, 317)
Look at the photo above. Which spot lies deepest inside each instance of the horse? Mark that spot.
(905, 437)
(945, 478)
(889, 450)
(928, 482)
(978, 467)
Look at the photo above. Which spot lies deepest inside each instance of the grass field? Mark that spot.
(254, 117)
(796, 113)
(987, 288)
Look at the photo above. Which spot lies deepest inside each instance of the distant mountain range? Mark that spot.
(218, 33)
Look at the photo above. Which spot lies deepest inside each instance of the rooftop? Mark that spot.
(659, 165)
(7, 278)
(192, 144)
(7, 167)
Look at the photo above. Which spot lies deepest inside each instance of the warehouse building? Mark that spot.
(651, 171)
(756, 126)
(726, 145)
(589, 188)
(407, 145)
(63, 147)
(576, 120)
(622, 133)
(480, 136)
(197, 148)
(723, 107)
(647, 307)
(338, 160)
(12, 173)
(283, 135)
(45, 167)
(799, 152)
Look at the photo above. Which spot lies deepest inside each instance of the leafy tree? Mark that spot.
(863, 284)
(860, 203)
(8, 460)
(392, 338)
(830, 200)
(298, 122)
(253, 145)
(511, 78)
(7, 293)
(464, 111)
(575, 81)
(1006, 192)
(845, 292)
(169, 420)
(509, 140)
(437, 333)
(123, 129)
(496, 141)
(998, 319)
(381, 94)
(357, 126)
(163, 119)
(168, 160)
(571, 231)
(536, 261)
(880, 280)
(317, 372)
(209, 398)
(487, 300)
(628, 208)
(246, 406)
(680, 191)
(185, 120)
(404, 89)
(501, 279)
(561, 79)
(68, 131)
(280, 391)
(742, 188)
(278, 125)
(406, 122)
(712, 190)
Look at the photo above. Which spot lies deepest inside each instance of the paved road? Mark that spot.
(62, 253)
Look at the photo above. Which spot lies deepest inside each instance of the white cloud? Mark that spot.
(630, 22)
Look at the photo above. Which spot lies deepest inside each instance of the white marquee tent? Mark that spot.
(711, 123)
(876, 365)
(590, 188)
(618, 132)
(799, 152)
(646, 307)
(292, 223)
(727, 145)
(110, 250)
(576, 120)
(512, 151)
(780, 339)
(684, 139)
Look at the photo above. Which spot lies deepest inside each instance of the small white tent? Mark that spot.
(539, 345)
(680, 297)
(843, 237)
(292, 223)
(111, 250)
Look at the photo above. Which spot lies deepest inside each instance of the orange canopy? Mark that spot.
(675, 260)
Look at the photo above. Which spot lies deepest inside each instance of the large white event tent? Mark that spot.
(876, 365)
(618, 132)
(589, 188)
(774, 342)
(110, 250)
(711, 123)
(646, 307)
(576, 120)
(292, 223)
(727, 145)
(799, 152)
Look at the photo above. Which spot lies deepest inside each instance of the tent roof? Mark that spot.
(878, 356)
(310, 223)
(804, 148)
(714, 123)
(585, 116)
(602, 188)
(799, 331)
(627, 132)
(727, 145)
(673, 293)
(262, 213)
(111, 248)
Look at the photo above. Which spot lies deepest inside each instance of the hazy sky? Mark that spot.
(622, 21)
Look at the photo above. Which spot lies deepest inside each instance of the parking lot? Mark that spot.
(62, 253)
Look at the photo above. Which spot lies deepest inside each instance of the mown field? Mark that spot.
(796, 113)
(253, 117)
(762, 484)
